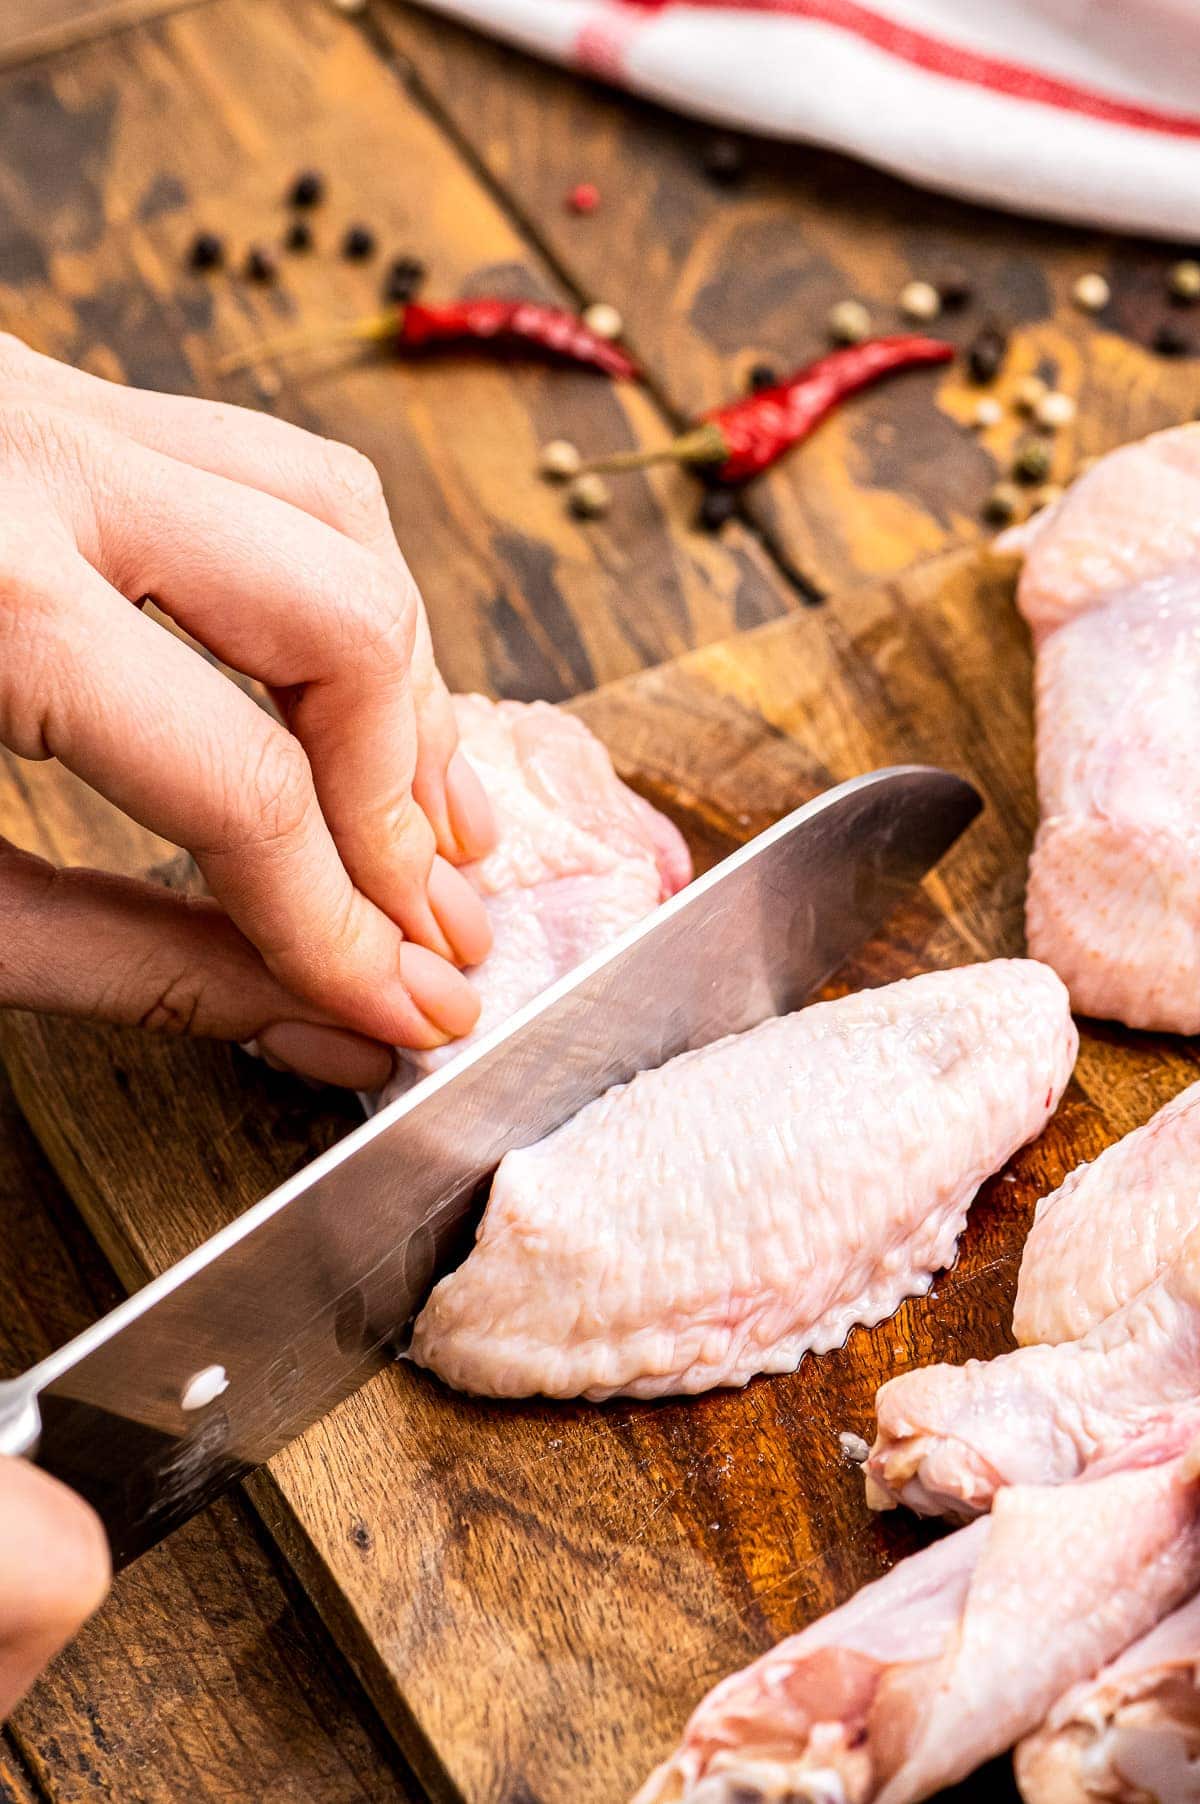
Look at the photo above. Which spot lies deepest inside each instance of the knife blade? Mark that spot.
(219, 1362)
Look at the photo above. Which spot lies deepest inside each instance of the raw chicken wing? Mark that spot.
(1131, 1735)
(950, 1437)
(1111, 1228)
(754, 1199)
(1111, 588)
(579, 857)
(950, 1658)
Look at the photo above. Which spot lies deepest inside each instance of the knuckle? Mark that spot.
(384, 622)
(280, 794)
(405, 836)
(177, 1006)
(354, 488)
(42, 440)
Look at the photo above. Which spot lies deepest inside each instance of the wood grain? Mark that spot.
(534, 1595)
(711, 279)
(33, 28)
(113, 155)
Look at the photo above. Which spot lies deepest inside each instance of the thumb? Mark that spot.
(54, 1571)
(78, 942)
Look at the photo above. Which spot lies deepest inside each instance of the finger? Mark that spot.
(80, 942)
(137, 714)
(54, 1572)
(284, 598)
(444, 783)
(327, 480)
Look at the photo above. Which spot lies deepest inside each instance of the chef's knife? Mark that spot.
(226, 1357)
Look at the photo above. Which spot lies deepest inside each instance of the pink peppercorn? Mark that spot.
(584, 198)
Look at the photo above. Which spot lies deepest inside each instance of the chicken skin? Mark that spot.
(1111, 1228)
(1111, 589)
(753, 1200)
(950, 1437)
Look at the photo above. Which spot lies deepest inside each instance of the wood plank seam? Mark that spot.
(408, 76)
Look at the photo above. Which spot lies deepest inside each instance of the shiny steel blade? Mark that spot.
(294, 1305)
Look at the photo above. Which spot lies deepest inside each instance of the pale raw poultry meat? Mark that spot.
(1111, 589)
(954, 1655)
(949, 1437)
(579, 856)
(1131, 1735)
(1112, 1227)
(754, 1199)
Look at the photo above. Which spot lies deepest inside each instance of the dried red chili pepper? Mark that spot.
(747, 436)
(506, 324)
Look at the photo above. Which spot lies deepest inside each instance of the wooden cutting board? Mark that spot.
(535, 1595)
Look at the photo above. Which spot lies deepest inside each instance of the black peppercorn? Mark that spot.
(358, 243)
(308, 189)
(986, 354)
(403, 280)
(299, 236)
(207, 251)
(260, 265)
(762, 375)
(716, 508)
(1170, 341)
(724, 160)
(956, 291)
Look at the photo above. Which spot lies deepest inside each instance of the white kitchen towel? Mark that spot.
(1084, 110)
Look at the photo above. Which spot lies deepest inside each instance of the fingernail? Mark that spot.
(470, 812)
(460, 913)
(442, 994)
(330, 1054)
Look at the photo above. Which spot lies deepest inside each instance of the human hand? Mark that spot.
(337, 915)
(54, 1571)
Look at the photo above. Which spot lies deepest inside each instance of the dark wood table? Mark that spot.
(127, 124)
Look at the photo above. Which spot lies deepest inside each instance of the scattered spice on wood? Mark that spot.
(849, 323)
(584, 197)
(1032, 461)
(299, 236)
(748, 435)
(588, 496)
(403, 280)
(307, 189)
(603, 319)
(488, 322)
(1027, 392)
(560, 460)
(358, 243)
(988, 411)
(1183, 280)
(724, 160)
(260, 265)
(206, 251)
(986, 353)
(1170, 341)
(716, 509)
(760, 376)
(919, 301)
(1091, 292)
(1003, 503)
(1054, 409)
